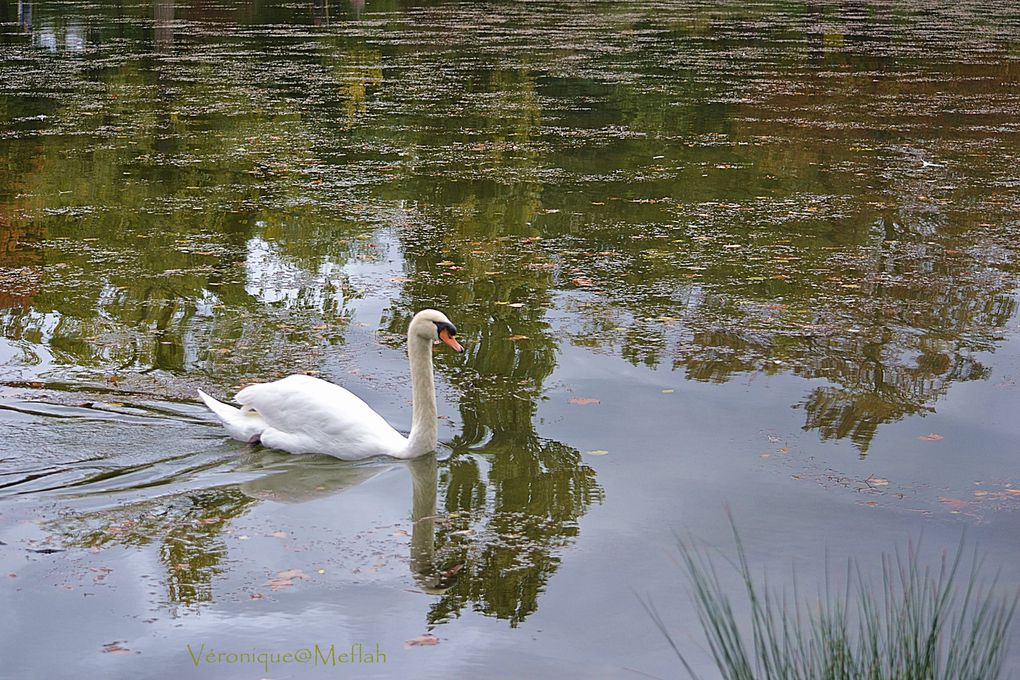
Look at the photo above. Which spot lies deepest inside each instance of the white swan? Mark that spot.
(302, 414)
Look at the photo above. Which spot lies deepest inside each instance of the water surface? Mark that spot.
(701, 254)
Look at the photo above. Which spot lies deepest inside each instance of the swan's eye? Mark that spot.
(441, 326)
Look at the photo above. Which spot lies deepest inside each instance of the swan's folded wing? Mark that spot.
(327, 417)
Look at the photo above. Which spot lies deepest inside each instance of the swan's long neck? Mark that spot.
(424, 427)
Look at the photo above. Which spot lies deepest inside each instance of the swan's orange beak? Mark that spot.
(444, 335)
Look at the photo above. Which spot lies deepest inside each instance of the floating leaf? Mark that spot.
(584, 401)
(452, 571)
(115, 648)
(932, 437)
(426, 640)
(278, 583)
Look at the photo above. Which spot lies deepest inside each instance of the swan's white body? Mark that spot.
(302, 414)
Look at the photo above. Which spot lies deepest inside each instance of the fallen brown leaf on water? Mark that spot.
(452, 571)
(582, 281)
(871, 504)
(115, 648)
(931, 437)
(955, 503)
(422, 641)
(257, 596)
(876, 481)
(285, 579)
(584, 401)
(278, 583)
(211, 520)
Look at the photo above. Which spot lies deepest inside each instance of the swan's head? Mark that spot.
(432, 325)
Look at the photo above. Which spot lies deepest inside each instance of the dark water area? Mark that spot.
(702, 255)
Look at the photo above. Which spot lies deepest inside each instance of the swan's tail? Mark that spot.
(245, 425)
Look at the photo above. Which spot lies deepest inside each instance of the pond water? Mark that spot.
(703, 256)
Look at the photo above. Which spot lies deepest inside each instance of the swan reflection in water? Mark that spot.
(298, 479)
(507, 511)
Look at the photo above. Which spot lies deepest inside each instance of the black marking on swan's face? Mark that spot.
(450, 329)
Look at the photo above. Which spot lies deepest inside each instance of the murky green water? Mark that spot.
(701, 254)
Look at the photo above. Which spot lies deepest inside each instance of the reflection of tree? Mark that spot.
(167, 169)
(733, 219)
(824, 253)
(890, 329)
(355, 70)
(511, 500)
(20, 259)
(187, 528)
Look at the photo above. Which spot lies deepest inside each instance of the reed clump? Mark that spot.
(910, 623)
